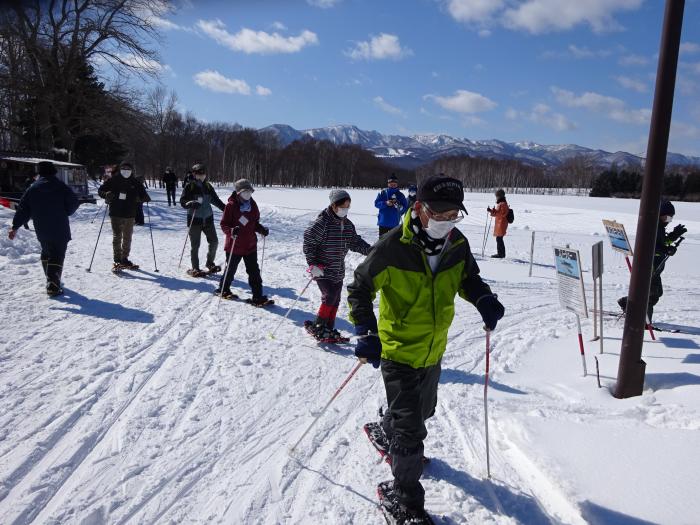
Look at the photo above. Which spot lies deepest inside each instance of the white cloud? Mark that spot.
(463, 101)
(633, 60)
(388, 108)
(382, 47)
(215, 81)
(473, 11)
(631, 83)
(145, 64)
(543, 114)
(686, 86)
(681, 129)
(279, 26)
(323, 4)
(695, 68)
(263, 91)
(541, 16)
(260, 42)
(483, 33)
(690, 48)
(612, 107)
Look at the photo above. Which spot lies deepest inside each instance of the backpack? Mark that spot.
(511, 216)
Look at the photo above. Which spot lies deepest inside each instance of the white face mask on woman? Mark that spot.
(246, 195)
(439, 229)
(125, 173)
(342, 212)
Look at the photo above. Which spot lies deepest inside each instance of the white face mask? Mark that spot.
(439, 229)
(246, 195)
(200, 178)
(126, 173)
(342, 212)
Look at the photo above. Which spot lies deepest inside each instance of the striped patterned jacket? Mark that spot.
(327, 242)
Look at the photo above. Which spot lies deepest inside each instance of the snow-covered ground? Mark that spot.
(141, 399)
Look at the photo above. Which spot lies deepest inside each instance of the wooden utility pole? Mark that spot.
(630, 374)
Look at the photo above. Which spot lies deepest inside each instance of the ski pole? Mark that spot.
(97, 213)
(98, 239)
(187, 237)
(488, 229)
(262, 259)
(228, 265)
(150, 228)
(486, 406)
(483, 239)
(272, 334)
(347, 380)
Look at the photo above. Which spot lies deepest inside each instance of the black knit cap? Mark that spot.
(46, 169)
(392, 178)
(441, 193)
(667, 208)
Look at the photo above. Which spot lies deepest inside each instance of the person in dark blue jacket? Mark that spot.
(49, 203)
(392, 204)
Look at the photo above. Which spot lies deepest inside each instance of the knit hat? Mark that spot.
(392, 178)
(500, 194)
(199, 167)
(337, 196)
(667, 208)
(46, 169)
(244, 184)
(126, 165)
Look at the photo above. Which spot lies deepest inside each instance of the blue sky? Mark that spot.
(548, 71)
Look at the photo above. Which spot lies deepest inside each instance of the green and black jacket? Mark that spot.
(416, 307)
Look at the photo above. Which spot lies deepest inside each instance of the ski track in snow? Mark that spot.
(140, 399)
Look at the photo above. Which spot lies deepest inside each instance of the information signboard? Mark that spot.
(572, 294)
(618, 237)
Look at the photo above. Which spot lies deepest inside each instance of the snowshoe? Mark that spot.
(377, 436)
(260, 301)
(128, 265)
(117, 268)
(196, 272)
(394, 512)
(52, 290)
(227, 294)
(323, 334)
(213, 268)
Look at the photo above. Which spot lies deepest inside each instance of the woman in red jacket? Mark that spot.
(240, 224)
(500, 211)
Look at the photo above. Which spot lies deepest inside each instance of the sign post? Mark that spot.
(572, 295)
(532, 251)
(620, 242)
(598, 293)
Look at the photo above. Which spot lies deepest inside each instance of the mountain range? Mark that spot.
(415, 150)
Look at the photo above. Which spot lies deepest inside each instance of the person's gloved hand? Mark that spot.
(235, 231)
(677, 232)
(671, 250)
(193, 204)
(369, 347)
(147, 198)
(491, 310)
(264, 231)
(488, 209)
(109, 197)
(390, 202)
(11, 234)
(316, 271)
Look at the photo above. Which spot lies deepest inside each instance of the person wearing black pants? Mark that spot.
(170, 180)
(49, 203)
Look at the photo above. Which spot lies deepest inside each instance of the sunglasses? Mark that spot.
(453, 216)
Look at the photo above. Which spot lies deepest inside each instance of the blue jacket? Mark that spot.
(49, 203)
(390, 216)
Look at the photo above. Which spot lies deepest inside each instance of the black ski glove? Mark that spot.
(491, 310)
(109, 197)
(671, 250)
(677, 232)
(193, 204)
(264, 231)
(369, 346)
(235, 231)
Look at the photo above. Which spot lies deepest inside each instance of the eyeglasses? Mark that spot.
(453, 216)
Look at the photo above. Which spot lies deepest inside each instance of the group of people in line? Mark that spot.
(419, 265)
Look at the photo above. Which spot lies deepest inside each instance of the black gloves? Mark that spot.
(235, 231)
(671, 250)
(677, 232)
(193, 204)
(491, 310)
(264, 231)
(369, 346)
(109, 197)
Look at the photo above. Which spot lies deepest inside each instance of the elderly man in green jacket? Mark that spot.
(418, 270)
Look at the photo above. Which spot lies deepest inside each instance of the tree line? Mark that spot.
(681, 184)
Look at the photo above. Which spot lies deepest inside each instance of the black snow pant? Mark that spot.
(500, 247)
(383, 230)
(170, 190)
(52, 256)
(412, 396)
(251, 266)
(140, 219)
(656, 290)
(196, 239)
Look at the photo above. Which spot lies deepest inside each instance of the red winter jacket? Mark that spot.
(249, 222)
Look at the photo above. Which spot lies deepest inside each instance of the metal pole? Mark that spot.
(580, 344)
(228, 265)
(89, 268)
(532, 252)
(262, 259)
(630, 375)
(483, 240)
(272, 335)
(187, 237)
(595, 310)
(347, 380)
(486, 405)
(600, 303)
(148, 210)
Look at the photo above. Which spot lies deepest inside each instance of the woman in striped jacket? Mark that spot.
(326, 243)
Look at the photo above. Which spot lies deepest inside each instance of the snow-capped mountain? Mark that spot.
(416, 150)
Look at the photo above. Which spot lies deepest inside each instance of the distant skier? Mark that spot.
(240, 224)
(417, 270)
(500, 212)
(197, 197)
(170, 181)
(664, 249)
(412, 190)
(123, 193)
(326, 243)
(139, 220)
(48, 202)
(391, 204)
